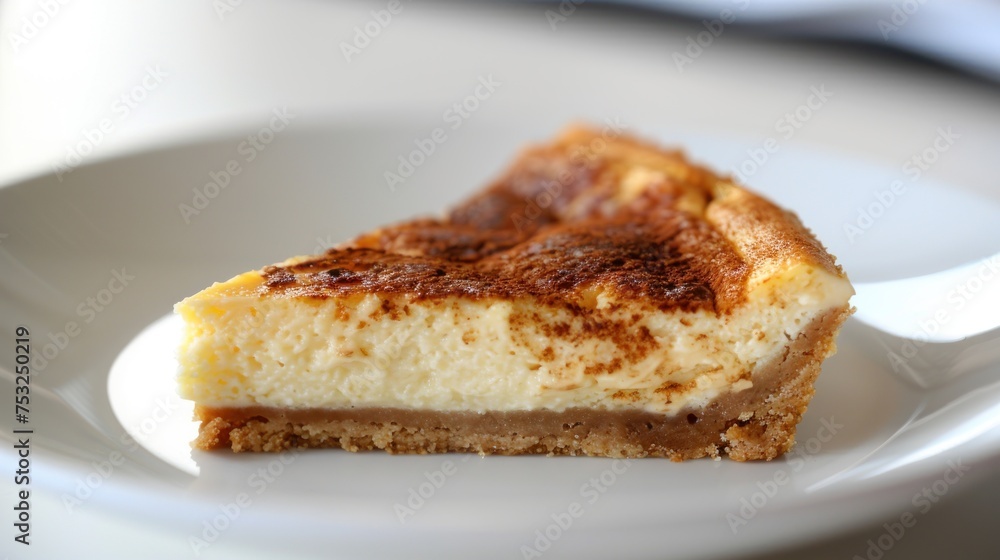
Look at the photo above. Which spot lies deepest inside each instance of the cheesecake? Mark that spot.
(603, 296)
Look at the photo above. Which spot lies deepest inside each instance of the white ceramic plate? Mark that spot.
(92, 265)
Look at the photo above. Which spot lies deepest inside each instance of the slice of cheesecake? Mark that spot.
(604, 297)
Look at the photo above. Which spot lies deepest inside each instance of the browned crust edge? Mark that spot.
(757, 423)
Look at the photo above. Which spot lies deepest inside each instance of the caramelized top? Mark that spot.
(591, 213)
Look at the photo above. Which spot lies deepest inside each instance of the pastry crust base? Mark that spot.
(757, 423)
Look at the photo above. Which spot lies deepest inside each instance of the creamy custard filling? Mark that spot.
(373, 350)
